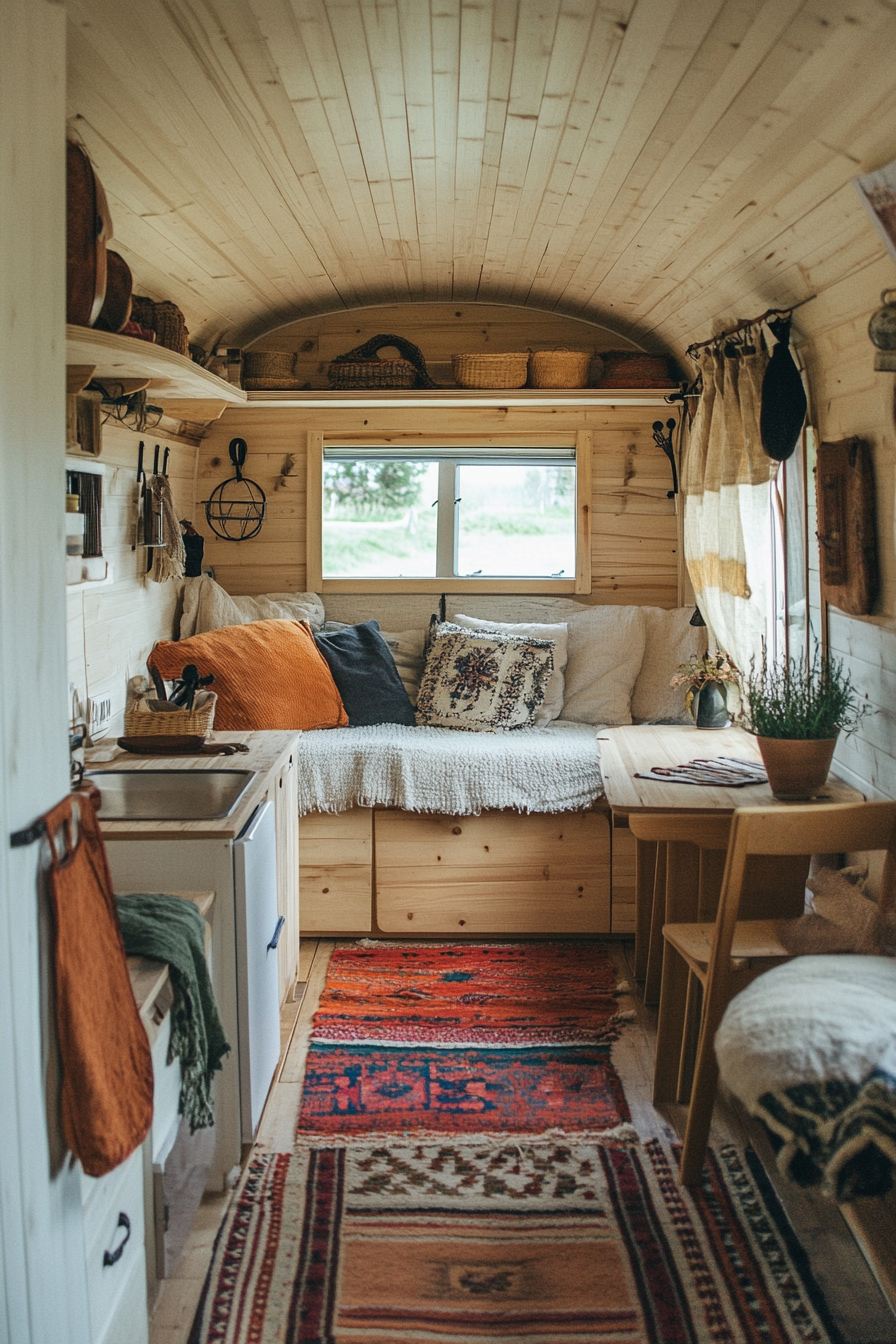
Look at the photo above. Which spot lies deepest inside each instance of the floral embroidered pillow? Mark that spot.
(483, 681)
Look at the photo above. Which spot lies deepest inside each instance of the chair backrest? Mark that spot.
(802, 829)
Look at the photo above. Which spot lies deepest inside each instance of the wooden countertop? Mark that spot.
(626, 751)
(268, 751)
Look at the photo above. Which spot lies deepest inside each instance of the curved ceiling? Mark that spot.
(656, 167)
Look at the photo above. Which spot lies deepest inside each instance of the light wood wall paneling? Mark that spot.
(439, 329)
(111, 629)
(634, 533)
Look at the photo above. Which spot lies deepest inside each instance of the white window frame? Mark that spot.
(583, 444)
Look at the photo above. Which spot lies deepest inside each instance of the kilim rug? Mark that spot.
(452, 1040)
(457, 1244)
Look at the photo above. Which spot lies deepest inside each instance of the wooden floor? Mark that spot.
(859, 1308)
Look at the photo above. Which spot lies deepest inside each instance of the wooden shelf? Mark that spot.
(461, 396)
(172, 377)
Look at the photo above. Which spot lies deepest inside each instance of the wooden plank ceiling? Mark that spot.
(652, 166)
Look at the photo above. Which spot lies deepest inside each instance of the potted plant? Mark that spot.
(707, 679)
(797, 710)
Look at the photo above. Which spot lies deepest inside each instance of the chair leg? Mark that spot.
(689, 1038)
(703, 1096)
(670, 1026)
(653, 974)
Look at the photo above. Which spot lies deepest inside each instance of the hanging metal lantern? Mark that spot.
(235, 511)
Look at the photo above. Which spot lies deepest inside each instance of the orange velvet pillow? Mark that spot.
(268, 674)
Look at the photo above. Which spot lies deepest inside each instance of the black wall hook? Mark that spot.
(662, 437)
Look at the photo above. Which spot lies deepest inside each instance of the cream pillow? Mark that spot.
(406, 648)
(208, 606)
(482, 681)
(553, 699)
(671, 641)
(606, 645)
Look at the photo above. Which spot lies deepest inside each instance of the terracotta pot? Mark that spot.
(797, 768)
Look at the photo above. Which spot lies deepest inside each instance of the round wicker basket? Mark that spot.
(491, 371)
(632, 368)
(269, 371)
(559, 368)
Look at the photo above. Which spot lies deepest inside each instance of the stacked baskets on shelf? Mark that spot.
(165, 319)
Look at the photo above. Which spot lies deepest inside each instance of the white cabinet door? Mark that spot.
(258, 930)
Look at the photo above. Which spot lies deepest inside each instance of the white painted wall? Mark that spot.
(42, 1277)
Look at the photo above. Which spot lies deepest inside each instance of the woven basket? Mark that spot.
(371, 373)
(269, 371)
(165, 319)
(173, 722)
(559, 368)
(631, 368)
(495, 371)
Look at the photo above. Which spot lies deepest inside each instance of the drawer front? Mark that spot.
(335, 898)
(107, 1282)
(129, 1322)
(499, 873)
(336, 871)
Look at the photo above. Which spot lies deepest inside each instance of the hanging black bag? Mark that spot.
(783, 397)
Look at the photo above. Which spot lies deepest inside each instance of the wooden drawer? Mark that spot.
(499, 873)
(336, 871)
(123, 1195)
(165, 1091)
(624, 888)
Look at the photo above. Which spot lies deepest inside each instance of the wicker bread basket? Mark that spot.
(165, 319)
(371, 373)
(171, 721)
(559, 368)
(269, 371)
(631, 368)
(491, 371)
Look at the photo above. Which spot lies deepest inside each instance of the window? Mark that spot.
(502, 512)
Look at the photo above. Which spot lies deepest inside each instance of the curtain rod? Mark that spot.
(750, 322)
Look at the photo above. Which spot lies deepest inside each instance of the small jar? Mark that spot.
(74, 533)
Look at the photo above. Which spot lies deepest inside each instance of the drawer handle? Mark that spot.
(272, 945)
(112, 1257)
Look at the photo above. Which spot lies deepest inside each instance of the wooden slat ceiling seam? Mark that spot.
(654, 166)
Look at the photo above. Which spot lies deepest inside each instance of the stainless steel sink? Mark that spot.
(169, 795)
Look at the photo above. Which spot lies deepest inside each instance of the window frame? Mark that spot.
(583, 443)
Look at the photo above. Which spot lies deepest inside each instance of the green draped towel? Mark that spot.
(171, 929)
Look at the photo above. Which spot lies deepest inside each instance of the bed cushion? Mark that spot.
(553, 699)
(483, 681)
(268, 674)
(606, 646)
(670, 641)
(208, 607)
(366, 676)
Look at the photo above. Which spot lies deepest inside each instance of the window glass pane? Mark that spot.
(378, 518)
(517, 520)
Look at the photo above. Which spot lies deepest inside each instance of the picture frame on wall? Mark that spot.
(878, 193)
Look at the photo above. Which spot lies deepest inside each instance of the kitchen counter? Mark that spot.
(268, 751)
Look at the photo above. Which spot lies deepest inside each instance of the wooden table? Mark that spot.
(679, 870)
(680, 862)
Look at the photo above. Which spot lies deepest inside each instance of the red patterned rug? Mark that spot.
(451, 1040)
(458, 1244)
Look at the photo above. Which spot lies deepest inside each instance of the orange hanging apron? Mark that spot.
(107, 1072)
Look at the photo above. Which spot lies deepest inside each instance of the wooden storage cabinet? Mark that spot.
(336, 871)
(624, 879)
(284, 793)
(498, 873)
(114, 1230)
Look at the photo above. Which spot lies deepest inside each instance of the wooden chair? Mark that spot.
(725, 956)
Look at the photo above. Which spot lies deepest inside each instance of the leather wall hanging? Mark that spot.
(847, 525)
(88, 229)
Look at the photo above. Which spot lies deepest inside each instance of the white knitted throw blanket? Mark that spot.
(550, 769)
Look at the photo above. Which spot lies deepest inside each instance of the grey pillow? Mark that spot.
(366, 676)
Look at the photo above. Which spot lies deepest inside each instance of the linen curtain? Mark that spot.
(725, 484)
